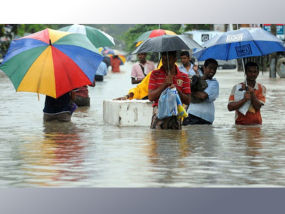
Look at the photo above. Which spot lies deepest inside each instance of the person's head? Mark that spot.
(185, 57)
(251, 71)
(142, 57)
(171, 55)
(115, 56)
(210, 68)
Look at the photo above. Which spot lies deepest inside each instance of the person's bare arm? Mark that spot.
(93, 84)
(128, 96)
(236, 105)
(72, 95)
(154, 94)
(134, 81)
(201, 95)
(254, 101)
(185, 98)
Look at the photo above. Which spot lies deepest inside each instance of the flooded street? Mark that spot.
(88, 153)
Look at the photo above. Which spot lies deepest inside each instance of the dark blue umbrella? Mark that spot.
(240, 43)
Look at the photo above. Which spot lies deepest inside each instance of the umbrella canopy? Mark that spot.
(151, 34)
(111, 51)
(121, 58)
(51, 62)
(167, 43)
(96, 36)
(240, 43)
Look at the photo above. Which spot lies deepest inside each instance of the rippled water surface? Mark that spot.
(88, 153)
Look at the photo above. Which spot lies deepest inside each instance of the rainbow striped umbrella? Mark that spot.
(51, 62)
(151, 34)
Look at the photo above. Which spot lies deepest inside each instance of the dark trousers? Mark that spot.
(98, 77)
(192, 120)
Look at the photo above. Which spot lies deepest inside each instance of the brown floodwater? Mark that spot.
(88, 153)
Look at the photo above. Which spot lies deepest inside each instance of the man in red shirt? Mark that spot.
(168, 76)
(254, 96)
(115, 63)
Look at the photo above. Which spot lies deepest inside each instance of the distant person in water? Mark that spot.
(101, 71)
(115, 63)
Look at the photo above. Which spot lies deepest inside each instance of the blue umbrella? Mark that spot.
(238, 44)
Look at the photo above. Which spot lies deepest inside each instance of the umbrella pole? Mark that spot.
(168, 64)
(244, 74)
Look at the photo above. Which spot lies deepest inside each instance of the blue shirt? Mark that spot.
(102, 69)
(206, 109)
(191, 71)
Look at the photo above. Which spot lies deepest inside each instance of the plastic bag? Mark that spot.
(167, 103)
(239, 95)
(181, 110)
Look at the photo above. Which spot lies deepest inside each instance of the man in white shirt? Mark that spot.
(141, 68)
(187, 67)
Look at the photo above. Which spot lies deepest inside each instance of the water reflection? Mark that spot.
(56, 159)
(252, 136)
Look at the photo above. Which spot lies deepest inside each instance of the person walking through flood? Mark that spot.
(61, 108)
(141, 68)
(115, 63)
(82, 95)
(251, 100)
(101, 71)
(204, 112)
(168, 76)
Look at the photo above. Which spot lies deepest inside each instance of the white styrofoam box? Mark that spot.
(127, 112)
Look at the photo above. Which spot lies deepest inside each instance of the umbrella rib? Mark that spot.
(258, 47)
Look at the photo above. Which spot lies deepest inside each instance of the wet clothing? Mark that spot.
(252, 116)
(82, 96)
(180, 80)
(140, 74)
(115, 63)
(58, 109)
(206, 109)
(54, 106)
(166, 123)
(82, 101)
(193, 120)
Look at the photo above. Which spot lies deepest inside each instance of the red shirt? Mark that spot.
(82, 91)
(115, 63)
(180, 80)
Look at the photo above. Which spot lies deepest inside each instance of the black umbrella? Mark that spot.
(167, 43)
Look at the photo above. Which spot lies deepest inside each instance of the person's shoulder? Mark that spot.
(213, 81)
(156, 71)
(261, 85)
(182, 74)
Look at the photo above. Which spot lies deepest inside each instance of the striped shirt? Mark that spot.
(180, 80)
(252, 116)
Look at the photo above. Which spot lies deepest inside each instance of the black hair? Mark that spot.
(185, 53)
(209, 61)
(251, 64)
(170, 53)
